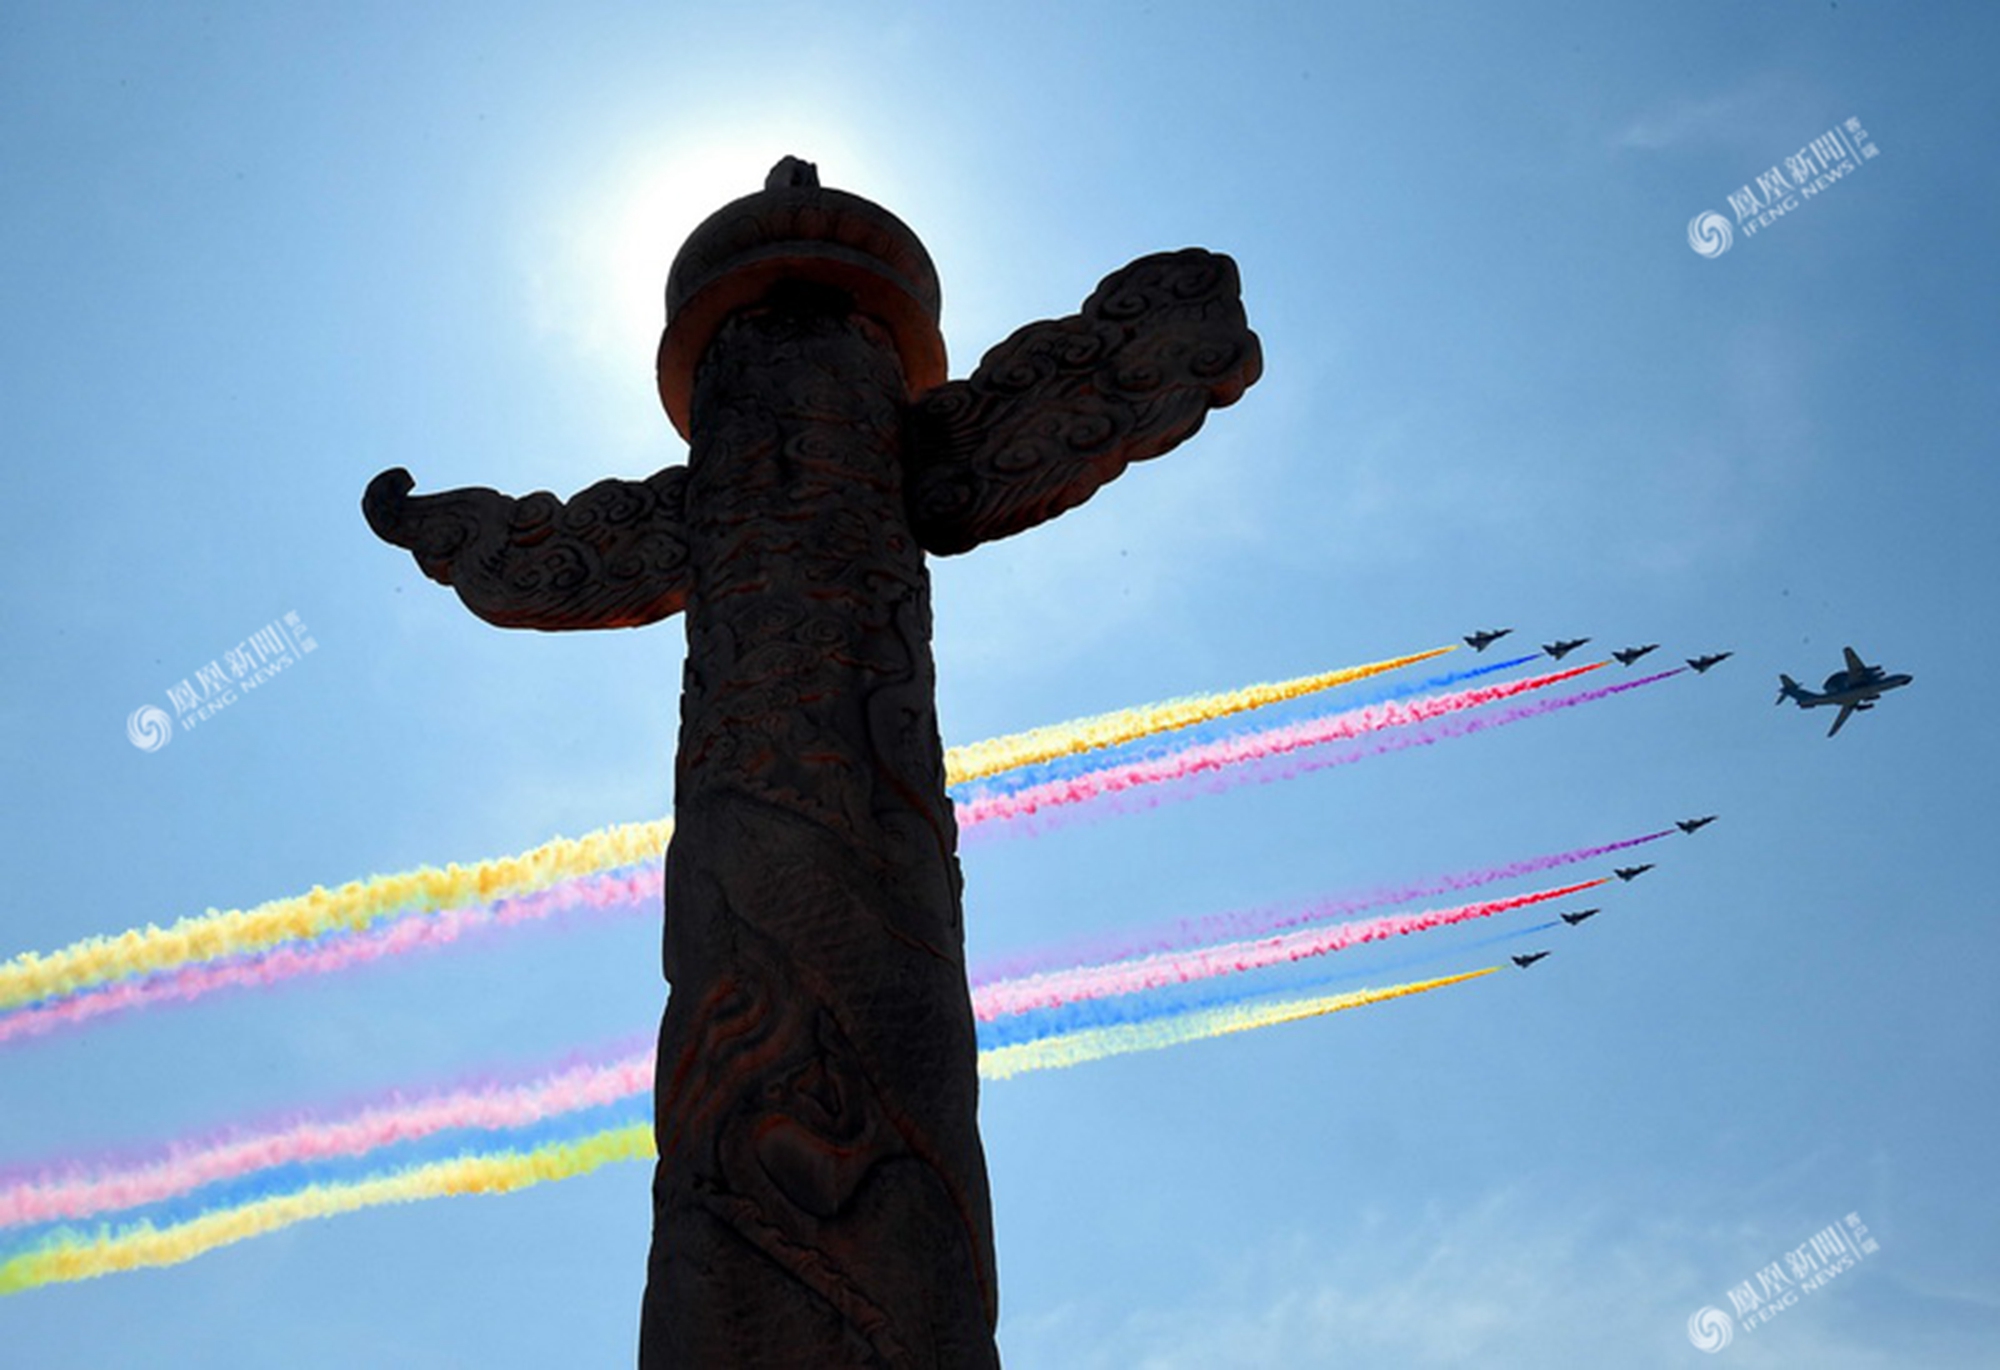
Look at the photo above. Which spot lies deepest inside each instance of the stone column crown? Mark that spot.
(796, 231)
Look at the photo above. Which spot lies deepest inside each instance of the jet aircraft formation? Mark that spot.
(1853, 689)
(1562, 647)
(1624, 873)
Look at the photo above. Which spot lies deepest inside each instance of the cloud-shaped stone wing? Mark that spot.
(613, 556)
(1066, 404)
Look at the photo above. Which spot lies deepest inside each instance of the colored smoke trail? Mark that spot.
(32, 976)
(1057, 989)
(631, 887)
(242, 948)
(1094, 1044)
(1239, 924)
(978, 760)
(638, 888)
(77, 1191)
(1455, 951)
(1444, 731)
(1029, 776)
(1059, 811)
(1263, 745)
(1144, 1008)
(246, 949)
(69, 1256)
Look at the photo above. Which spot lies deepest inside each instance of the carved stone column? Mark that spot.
(821, 1197)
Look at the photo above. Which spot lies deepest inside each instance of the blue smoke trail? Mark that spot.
(1163, 744)
(1166, 1003)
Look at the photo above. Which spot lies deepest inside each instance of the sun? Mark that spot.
(598, 263)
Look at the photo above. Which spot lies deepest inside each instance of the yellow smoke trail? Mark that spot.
(71, 1257)
(978, 760)
(31, 976)
(1094, 1044)
(296, 918)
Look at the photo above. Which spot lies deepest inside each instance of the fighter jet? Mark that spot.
(1632, 654)
(1561, 649)
(1479, 642)
(1857, 687)
(1631, 872)
(1692, 824)
(1574, 918)
(1525, 961)
(1702, 663)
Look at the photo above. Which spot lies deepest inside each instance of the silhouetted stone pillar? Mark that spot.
(820, 1198)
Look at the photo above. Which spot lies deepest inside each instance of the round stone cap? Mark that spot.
(795, 230)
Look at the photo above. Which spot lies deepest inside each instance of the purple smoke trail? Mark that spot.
(1239, 924)
(1061, 813)
(629, 887)
(1226, 753)
(1057, 989)
(82, 1187)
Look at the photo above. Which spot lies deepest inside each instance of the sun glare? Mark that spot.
(599, 266)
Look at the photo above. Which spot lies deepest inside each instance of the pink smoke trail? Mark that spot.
(1057, 988)
(426, 932)
(1058, 809)
(70, 1194)
(1451, 728)
(1136, 788)
(1239, 924)
(1255, 746)
(78, 1189)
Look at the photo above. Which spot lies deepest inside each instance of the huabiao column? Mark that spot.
(820, 1198)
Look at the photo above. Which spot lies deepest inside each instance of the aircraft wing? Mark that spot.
(1845, 710)
(1857, 669)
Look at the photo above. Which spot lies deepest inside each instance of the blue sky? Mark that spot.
(256, 254)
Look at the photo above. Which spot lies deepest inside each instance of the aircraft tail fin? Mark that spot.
(1788, 689)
